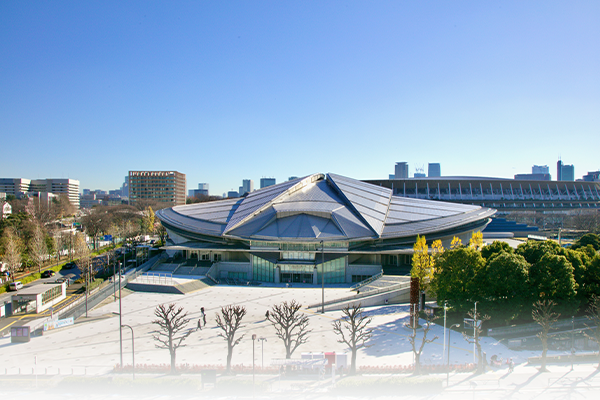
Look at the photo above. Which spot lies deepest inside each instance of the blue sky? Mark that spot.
(224, 91)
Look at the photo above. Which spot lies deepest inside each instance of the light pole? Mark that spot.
(120, 318)
(474, 333)
(572, 340)
(448, 369)
(322, 277)
(253, 341)
(262, 351)
(444, 350)
(132, 350)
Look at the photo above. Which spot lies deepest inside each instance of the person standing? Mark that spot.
(199, 323)
(203, 316)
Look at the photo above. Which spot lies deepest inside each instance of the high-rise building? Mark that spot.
(564, 172)
(568, 173)
(125, 187)
(434, 170)
(592, 176)
(202, 190)
(540, 169)
(67, 187)
(161, 186)
(401, 170)
(264, 182)
(232, 194)
(247, 186)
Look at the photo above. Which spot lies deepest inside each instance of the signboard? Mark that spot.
(20, 334)
(58, 323)
(108, 238)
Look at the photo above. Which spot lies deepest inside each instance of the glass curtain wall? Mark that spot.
(263, 270)
(335, 271)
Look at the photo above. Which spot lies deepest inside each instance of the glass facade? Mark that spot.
(51, 294)
(297, 255)
(335, 271)
(263, 270)
(299, 246)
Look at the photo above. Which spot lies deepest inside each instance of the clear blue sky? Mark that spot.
(227, 90)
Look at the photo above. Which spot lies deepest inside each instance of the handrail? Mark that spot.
(210, 271)
(398, 286)
(366, 281)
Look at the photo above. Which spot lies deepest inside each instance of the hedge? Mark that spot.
(389, 386)
(242, 386)
(105, 384)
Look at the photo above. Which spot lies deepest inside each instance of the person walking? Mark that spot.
(199, 323)
(202, 315)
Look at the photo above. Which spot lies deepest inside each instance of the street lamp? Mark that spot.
(448, 369)
(253, 341)
(132, 350)
(322, 277)
(262, 351)
(120, 317)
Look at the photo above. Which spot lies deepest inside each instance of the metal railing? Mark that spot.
(366, 281)
(391, 288)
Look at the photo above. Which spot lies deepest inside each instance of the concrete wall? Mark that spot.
(224, 267)
(361, 269)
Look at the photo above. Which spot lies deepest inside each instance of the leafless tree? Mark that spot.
(12, 250)
(229, 321)
(172, 322)
(38, 250)
(291, 325)
(543, 313)
(353, 331)
(413, 339)
(95, 222)
(478, 321)
(593, 314)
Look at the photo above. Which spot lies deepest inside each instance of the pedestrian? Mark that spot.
(267, 315)
(203, 315)
(199, 324)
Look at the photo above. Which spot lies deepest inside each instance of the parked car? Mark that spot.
(14, 286)
(70, 265)
(48, 273)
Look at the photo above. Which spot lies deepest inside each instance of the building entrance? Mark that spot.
(291, 277)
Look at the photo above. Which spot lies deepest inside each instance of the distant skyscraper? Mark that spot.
(434, 170)
(202, 190)
(264, 182)
(233, 194)
(291, 178)
(564, 172)
(247, 186)
(559, 165)
(419, 175)
(540, 169)
(401, 170)
(392, 176)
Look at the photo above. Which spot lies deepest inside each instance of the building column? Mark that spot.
(315, 276)
(277, 275)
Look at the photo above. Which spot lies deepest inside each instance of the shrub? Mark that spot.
(389, 386)
(241, 386)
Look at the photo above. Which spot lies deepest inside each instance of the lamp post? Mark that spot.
(448, 369)
(444, 350)
(132, 350)
(474, 333)
(572, 340)
(322, 277)
(253, 341)
(120, 318)
(262, 351)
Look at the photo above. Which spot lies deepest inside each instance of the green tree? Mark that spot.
(534, 250)
(588, 238)
(497, 247)
(454, 279)
(552, 279)
(503, 286)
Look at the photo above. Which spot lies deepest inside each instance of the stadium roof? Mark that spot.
(318, 207)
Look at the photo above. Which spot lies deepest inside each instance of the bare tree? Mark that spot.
(172, 322)
(229, 321)
(38, 250)
(478, 321)
(291, 325)
(96, 222)
(353, 331)
(12, 250)
(593, 314)
(82, 252)
(412, 339)
(543, 313)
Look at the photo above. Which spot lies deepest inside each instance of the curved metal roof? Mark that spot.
(320, 207)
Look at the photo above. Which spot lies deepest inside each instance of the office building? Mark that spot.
(232, 194)
(434, 170)
(159, 186)
(58, 187)
(401, 170)
(540, 169)
(202, 190)
(592, 177)
(564, 172)
(264, 182)
(323, 227)
(247, 186)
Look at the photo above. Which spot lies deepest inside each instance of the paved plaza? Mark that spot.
(91, 346)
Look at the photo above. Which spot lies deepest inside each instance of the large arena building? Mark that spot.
(320, 224)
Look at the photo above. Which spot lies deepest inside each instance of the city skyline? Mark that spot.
(94, 90)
